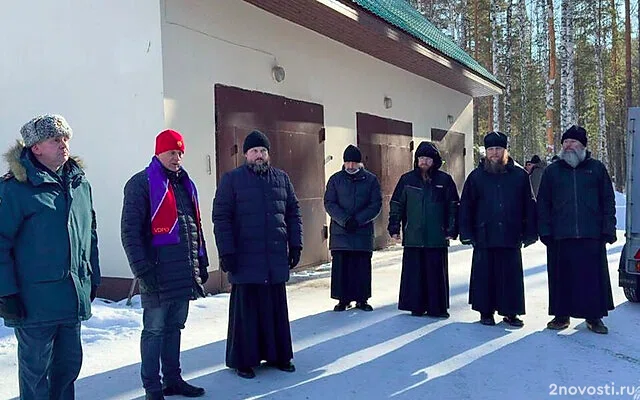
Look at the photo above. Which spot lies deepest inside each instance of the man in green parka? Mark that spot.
(424, 206)
(49, 269)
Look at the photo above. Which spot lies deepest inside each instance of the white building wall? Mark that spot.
(230, 42)
(109, 66)
(98, 63)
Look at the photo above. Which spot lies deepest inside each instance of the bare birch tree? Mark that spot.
(602, 115)
(495, 26)
(568, 115)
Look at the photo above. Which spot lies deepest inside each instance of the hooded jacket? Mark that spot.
(48, 240)
(425, 210)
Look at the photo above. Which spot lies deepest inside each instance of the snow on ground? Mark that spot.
(385, 354)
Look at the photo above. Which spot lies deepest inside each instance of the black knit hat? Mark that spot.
(575, 132)
(495, 139)
(255, 139)
(535, 159)
(352, 153)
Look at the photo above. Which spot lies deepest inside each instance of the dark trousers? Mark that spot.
(160, 341)
(49, 361)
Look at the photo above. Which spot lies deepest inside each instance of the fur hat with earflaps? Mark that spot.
(45, 127)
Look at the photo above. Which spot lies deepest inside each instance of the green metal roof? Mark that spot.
(403, 16)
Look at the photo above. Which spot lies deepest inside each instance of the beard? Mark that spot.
(425, 171)
(497, 166)
(259, 169)
(573, 157)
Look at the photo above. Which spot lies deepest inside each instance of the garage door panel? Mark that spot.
(293, 129)
(385, 148)
(452, 148)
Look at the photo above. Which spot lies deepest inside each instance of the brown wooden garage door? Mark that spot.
(386, 151)
(451, 146)
(295, 130)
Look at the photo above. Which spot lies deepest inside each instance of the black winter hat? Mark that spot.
(575, 132)
(255, 139)
(495, 139)
(352, 153)
(428, 149)
(535, 159)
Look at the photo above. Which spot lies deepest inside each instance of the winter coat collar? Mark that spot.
(23, 168)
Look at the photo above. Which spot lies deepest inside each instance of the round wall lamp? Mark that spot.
(277, 72)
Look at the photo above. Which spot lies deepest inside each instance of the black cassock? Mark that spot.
(424, 285)
(497, 281)
(258, 326)
(579, 283)
(351, 275)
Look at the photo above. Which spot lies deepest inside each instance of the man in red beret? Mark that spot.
(162, 236)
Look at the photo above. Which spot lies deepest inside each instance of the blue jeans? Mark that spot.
(160, 341)
(49, 361)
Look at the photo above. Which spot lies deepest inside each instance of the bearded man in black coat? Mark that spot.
(576, 218)
(258, 229)
(497, 216)
(425, 205)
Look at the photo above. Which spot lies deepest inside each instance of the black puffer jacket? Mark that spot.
(256, 220)
(577, 202)
(498, 210)
(175, 267)
(356, 196)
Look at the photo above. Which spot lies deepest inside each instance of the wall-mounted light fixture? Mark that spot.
(388, 103)
(450, 119)
(277, 72)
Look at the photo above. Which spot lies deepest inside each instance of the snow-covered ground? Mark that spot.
(382, 354)
(377, 355)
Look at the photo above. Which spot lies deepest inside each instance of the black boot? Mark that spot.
(182, 388)
(597, 326)
(443, 315)
(364, 306)
(417, 313)
(558, 323)
(341, 306)
(514, 321)
(487, 319)
(153, 396)
(286, 366)
(246, 373)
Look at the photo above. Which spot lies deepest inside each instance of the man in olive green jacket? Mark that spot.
(425, 205)
(49, 269)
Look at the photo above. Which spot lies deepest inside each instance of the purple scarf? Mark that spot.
(164, 212)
